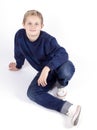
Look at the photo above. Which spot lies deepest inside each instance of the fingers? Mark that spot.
(12, 66)
(42, 83)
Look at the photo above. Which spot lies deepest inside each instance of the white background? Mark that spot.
(74, 24)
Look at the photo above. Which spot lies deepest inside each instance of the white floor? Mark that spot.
(17, 112)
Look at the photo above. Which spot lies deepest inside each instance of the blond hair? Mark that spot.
(32, 13)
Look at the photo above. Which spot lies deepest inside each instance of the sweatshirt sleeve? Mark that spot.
(19, 57)
(57, 55)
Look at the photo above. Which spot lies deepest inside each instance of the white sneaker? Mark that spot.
(74, 113)
(61, 92)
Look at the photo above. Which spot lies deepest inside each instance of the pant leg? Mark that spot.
(65, 73)
(41, 96)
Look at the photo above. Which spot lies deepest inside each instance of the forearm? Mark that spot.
(46, 68)
(58, 58)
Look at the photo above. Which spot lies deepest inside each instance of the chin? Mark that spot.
(32, 34)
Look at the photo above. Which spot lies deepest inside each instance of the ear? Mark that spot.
(42, 26)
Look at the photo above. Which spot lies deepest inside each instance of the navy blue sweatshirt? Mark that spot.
(45, 51)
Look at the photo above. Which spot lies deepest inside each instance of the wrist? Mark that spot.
(47, 68)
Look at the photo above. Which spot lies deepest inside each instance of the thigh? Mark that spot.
(50, 82)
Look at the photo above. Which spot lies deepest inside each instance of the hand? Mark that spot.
(43, 76)
(12, 67)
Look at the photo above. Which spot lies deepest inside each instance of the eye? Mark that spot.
(29, 24)
(36, 24)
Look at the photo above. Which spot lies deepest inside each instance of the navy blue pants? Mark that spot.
(40, 94)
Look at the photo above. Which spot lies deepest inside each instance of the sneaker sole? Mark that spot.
(76, 115)
(61, 97)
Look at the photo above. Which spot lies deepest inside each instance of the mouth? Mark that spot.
(32, 30)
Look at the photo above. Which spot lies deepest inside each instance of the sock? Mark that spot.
(65, 107)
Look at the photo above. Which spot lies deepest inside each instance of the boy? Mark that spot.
(43, 52)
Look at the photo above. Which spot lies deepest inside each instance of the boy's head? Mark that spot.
(32, 13)
(33, 23)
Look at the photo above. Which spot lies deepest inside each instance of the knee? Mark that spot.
(31, 93)
(69, 70)
(66, 70)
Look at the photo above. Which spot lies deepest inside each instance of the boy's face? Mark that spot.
(33, 25)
